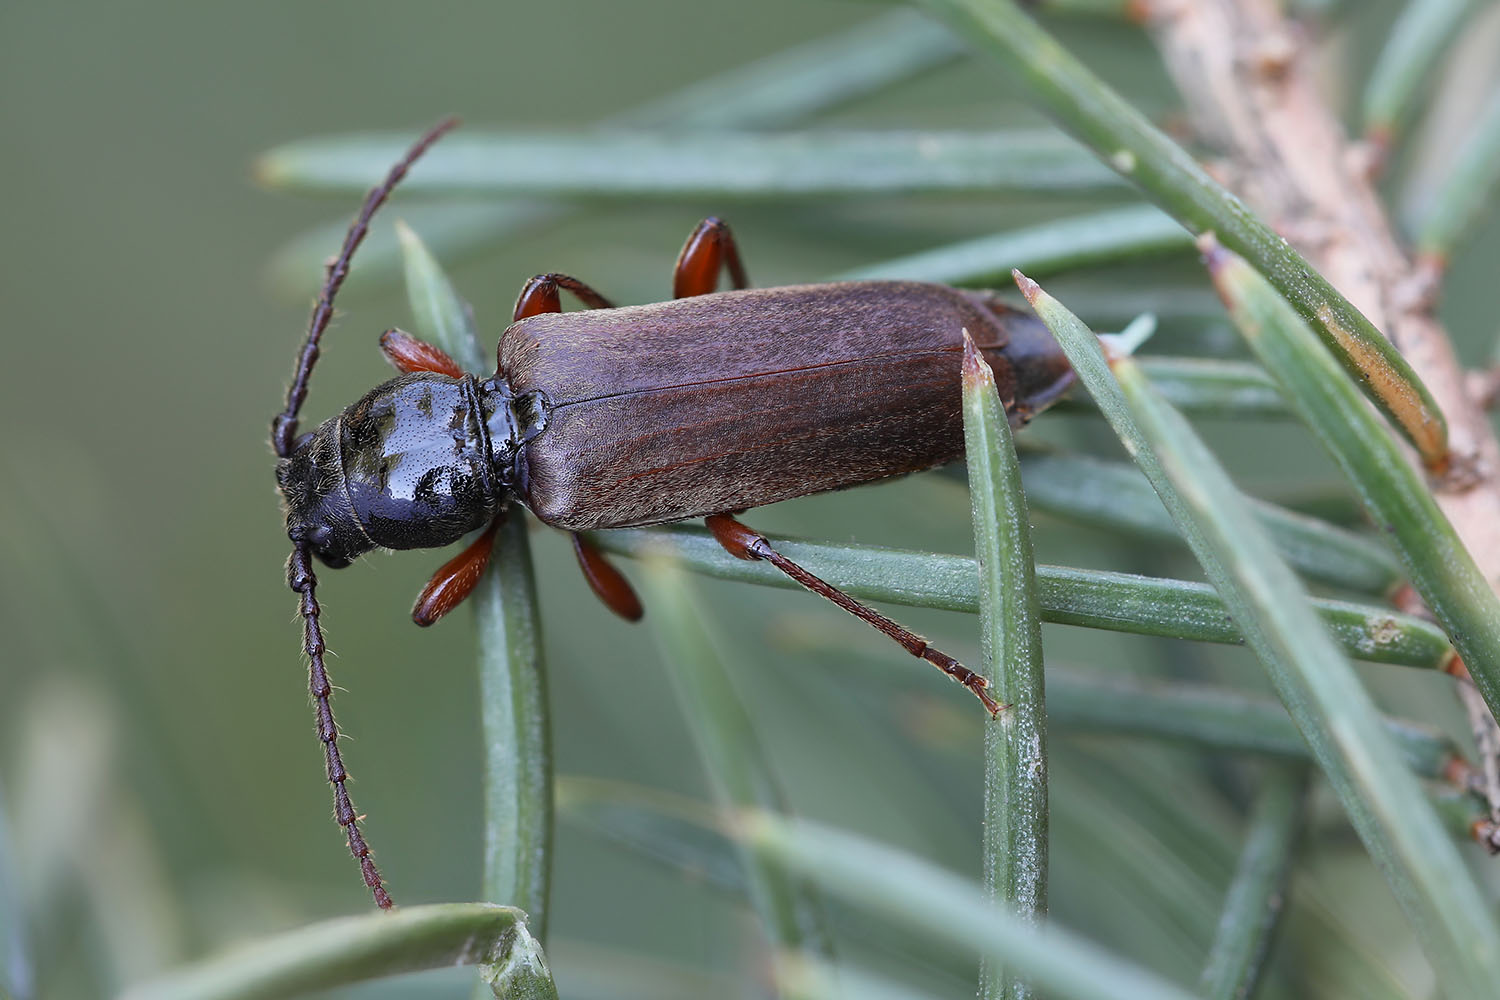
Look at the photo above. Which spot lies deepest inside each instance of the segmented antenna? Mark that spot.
(300, 576)
(302, 580)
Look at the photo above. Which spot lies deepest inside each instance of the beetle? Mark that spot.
(703, 406)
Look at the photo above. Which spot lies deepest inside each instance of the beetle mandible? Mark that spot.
(704, 406)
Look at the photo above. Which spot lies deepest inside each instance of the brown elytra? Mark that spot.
(734, 400)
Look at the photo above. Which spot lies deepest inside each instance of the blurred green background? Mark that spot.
(163, 788)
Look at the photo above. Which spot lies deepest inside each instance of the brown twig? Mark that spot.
(1249, 79)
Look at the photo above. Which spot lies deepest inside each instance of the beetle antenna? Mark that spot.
(300, 576)
(284, 427)
(304, 582)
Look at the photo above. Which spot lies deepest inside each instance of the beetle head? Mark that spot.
(318, 510)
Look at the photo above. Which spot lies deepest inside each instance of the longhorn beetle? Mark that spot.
(704, 406)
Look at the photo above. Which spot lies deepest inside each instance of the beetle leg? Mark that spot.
(408, 354)
(710, 247)
(540, 295)
(607, 582)
(455, 579)
(745, 543)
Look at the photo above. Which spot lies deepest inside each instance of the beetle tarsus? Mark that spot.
(976, 683)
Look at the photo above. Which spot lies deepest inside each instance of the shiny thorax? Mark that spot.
(417, 462)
